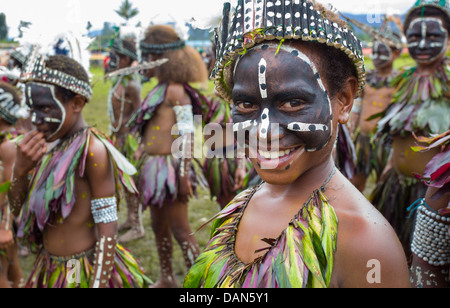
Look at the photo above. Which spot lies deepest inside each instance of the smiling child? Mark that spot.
(291, 70)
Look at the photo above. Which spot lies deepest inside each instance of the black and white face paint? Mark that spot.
(323, 123)
(427, 39)
(381, 54)
(285, 90)
(45, 107)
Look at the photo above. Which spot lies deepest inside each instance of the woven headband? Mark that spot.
(255, 21)
(118, 47)
(35, 70)
(161, 48)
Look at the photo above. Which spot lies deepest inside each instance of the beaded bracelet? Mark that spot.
(104, 210)
(431, 239)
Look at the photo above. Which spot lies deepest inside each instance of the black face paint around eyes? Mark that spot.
(381, 54)
(427, 39)
(40, 95)
(314, 127)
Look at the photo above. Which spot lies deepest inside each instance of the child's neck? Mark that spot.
(78, 125)
(385, 70)
(428, 68)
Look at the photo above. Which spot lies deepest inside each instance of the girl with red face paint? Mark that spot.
(420, 107)
(291, 70)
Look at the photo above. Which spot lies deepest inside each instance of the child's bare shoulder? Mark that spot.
(97, 154)
(364, 236)
(177, 94)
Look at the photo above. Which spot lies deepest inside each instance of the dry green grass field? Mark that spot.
(200, 209)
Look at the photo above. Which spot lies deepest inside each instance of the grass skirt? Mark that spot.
(392, 196)
(60, 272)
(371, 155)
(159, 179)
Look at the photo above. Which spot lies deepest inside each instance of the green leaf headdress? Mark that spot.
(255, 21)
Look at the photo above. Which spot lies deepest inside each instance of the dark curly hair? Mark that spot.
(184, 66)
(68, 66)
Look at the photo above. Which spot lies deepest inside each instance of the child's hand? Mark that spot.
(30, 150)
(239, 177)
(6, 239)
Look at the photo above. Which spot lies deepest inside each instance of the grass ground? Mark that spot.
(200, 209)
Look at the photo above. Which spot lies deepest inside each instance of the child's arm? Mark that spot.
(29, 152)
(7, 156)
(185, 122)
(100, 175)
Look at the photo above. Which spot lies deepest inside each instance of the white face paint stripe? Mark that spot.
(424, 35)
(265, 122)
(58, 103)
(52, 120)
(308, 61)
(244, 125)
(424, 28)
(306, 127)
(262, 69)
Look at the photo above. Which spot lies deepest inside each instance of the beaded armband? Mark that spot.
(104, 210)
(185, 119)
(103, 261)
(431, 241)
(185, 123)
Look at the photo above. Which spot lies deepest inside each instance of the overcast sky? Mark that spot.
(76, 13)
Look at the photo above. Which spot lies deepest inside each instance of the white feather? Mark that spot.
(73, 40)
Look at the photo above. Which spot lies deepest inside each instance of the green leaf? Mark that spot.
(5, 187)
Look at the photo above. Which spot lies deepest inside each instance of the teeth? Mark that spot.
(274, 154)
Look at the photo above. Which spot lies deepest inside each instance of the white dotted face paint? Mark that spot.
(244, 125)
(297, 109)
(265, 123)
(262, 69)
(306, 126)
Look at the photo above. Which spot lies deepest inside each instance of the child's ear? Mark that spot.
(78, 103)
(345, 99)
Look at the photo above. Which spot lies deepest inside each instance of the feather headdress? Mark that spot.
(71, 43)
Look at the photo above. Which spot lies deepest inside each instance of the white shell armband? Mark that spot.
(431, 240)
(185, 119)
(104, 210)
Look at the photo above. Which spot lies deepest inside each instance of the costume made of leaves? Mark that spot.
(302, 256)
(437, 171)
(419, 103)
(52, 185)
